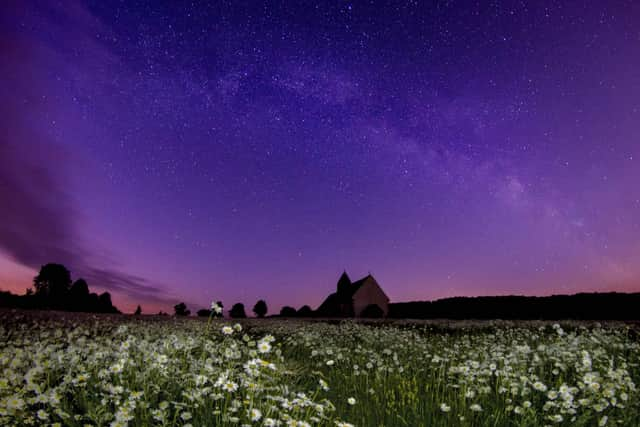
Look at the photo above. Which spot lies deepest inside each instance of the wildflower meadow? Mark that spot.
(109, 370)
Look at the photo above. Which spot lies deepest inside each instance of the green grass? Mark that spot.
(81, 370)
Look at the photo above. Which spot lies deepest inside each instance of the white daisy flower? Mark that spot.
(255, 414)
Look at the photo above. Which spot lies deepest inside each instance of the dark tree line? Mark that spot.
(54, 290)
(205, 312)
(304, 311)
(372, 311)
(237, 311)
(583, 306)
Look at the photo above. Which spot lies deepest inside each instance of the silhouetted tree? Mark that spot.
(260, 309)
(237, 311)
(79, 289)
(78, 299)
(138, 311)
(93, 303)
(181, 309)
(204, 313)
(105, 305)
(53, 282)
(53, 290)
(7, 299)
(287, 311)
(305, 311)
(372, 311)
(104, 300)
(162, 313)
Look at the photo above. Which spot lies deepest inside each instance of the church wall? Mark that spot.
(370, 293)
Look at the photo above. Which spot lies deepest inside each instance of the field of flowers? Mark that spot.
(102, 370)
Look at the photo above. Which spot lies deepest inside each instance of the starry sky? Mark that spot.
(186, 151)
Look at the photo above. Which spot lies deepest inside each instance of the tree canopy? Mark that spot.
(260, 309)
(287, 311)
(181, 309)
(305, 311)
(203, 313)
(53, 290)
(53, 280)
(237, 311)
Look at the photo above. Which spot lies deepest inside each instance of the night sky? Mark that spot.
(244, 150)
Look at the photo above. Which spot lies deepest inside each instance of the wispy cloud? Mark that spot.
(39, 221)
(36, 212)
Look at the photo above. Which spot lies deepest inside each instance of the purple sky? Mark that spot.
(255, 150)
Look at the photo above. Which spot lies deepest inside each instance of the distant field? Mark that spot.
(109, 370)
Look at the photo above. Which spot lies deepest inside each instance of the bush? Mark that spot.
(305, 311)
(372, 311)
(287, 311)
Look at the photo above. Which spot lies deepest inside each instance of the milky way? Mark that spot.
(247, 150)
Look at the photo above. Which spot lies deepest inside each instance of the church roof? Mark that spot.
(344, 280)
(329, 302)
(344, 295)
(358, 283)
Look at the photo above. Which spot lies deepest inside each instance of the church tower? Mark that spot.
(344, 283)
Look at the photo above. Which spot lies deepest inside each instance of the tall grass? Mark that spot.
(82, 370)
